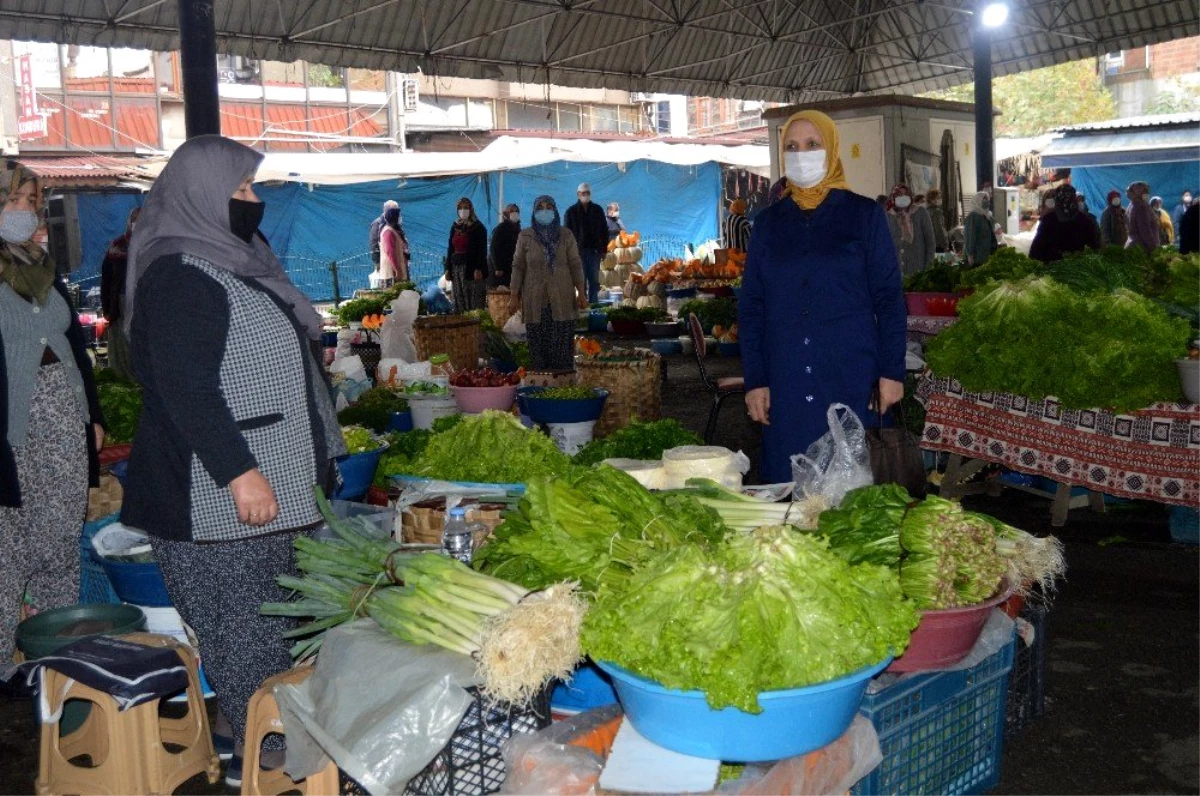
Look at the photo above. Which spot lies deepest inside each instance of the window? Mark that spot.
(630, 119)
(239, 78)
(85, 69)
(89, 122)
(528, 116)
(605, 119)
(367, 87)
(662, 120)
(570, 117)
(326, 83)
(133, 71)
(412, 93)
(43, 63)
(137, 123)
(283, 82)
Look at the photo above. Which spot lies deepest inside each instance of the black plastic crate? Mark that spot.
(1027, 681)
(940, 733)
(471, 763)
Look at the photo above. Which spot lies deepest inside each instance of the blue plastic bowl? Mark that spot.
(589, 688)
(666, 347)
(401, 421)
(358, 471)
(792, 722)
(597, 321)
(550, 410)
(139, 584)
(329, 339)
(730, 349)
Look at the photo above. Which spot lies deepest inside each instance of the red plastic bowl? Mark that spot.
(923, 303)
(111, 454)
(473, 400)
(945, 637)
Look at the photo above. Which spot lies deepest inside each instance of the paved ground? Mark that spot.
(1122, 681)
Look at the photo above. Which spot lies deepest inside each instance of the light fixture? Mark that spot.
(995, 15)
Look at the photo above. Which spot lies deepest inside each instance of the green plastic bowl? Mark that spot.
(43, 634)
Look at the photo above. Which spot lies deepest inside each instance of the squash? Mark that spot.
(588, 347)
(629, 303)
(718, 331)
(609, 262)
(634, 289)
(631, 254)
(657, 288)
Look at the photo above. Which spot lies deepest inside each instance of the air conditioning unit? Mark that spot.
(641, 96)
(412, 93)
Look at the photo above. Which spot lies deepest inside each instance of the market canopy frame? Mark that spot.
(776, 50)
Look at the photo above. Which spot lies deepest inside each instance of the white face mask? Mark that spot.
(1116, 202)
(1049, 204)
(614, 214)
(806, 169)
(1187, 199)
(902, 202)
(18, 226)
(464, 214)
(514, 217)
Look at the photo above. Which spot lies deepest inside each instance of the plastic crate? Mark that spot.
(94, 585)
(471, 763)
(1026, 699)
(940, 733)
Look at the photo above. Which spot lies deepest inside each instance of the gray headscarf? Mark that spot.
(187, 212)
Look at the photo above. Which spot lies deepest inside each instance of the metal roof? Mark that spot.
(784, 50)
(1132, 122)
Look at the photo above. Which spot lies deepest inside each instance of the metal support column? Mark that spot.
(985, 145)
(198, 56)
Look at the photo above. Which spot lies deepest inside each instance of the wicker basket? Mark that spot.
(498, 301)
(105, 499)
(550, 378)
(456, 336)
(632, 380)
(423, 522)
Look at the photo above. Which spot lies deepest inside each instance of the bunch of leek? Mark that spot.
(742, 512)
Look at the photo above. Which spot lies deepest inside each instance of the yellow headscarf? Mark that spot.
(835, 175)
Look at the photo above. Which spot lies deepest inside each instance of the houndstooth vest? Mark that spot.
(263, 382)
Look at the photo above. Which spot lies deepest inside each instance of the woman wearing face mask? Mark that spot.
(1114, 223)
(466, 259)
(978, 239)
(548, 286)
(615, 226)
(237, 427)
(821, 315)
(50, 421)
(112, 296)
(393, 250)
(1065, 229)
(912, 231)
(504, 243)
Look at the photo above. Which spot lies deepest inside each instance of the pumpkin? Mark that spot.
(629, 303)
(588, 347)
(651, 303)
(718, 331)
(629, 254)
(628, 239)
(634, 289)
(657, 288)
(609, 262)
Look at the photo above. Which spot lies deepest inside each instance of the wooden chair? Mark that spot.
(127, 748)
(721, 389)
(262, 719)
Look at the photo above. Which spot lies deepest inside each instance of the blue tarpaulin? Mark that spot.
(311, 227)
(1168, 180)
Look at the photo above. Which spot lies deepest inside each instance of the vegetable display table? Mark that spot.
(1151, 454)
(923, 328)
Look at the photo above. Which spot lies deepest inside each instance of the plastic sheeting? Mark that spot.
(312, 226)
(1168, 180)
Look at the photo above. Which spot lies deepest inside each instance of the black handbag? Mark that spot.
(896, 454)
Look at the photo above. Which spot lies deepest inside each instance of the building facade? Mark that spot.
(1161, 78)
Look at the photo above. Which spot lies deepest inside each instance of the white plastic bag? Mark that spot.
(514, 328)
(837, 462)
(396, 336)
(116, 539)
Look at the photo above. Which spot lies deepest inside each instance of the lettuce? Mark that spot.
(491, 447)
(769, 610)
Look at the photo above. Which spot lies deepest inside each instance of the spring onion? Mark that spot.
(742, 512)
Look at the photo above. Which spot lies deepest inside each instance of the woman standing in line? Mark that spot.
(548, 287)
(393, 249)
(821, 315)
(466, 259)
(1114, 222)
(978, 237)
(51, 426)
(237, 426)
(911, 230)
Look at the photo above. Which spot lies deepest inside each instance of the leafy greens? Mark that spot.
(638, 440)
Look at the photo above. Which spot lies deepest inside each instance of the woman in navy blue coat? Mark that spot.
(821, 316)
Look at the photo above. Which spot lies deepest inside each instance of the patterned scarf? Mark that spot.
(547, 234)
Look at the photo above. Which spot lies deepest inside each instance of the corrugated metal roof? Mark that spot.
(756, 49)
(1162, 120)
(92, 171)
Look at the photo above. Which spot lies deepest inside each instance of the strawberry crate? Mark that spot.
(941, 732)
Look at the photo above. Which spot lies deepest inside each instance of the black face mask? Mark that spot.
(244, 217)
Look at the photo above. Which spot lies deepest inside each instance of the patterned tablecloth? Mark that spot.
(1153, 454)
(923, 327)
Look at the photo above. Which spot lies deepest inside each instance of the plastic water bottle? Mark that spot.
(456, 537)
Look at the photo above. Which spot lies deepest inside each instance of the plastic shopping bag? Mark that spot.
(837, 462)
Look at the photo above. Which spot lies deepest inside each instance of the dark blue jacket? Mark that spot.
(821, 317)
(10, 488)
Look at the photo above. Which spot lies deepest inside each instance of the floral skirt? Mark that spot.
(551, 343)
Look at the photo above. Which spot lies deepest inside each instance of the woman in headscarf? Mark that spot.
(1114, 223)
(978, 237)
(1064, 229)
(548, 287)
(737, 226)
(1166, 228)
(112, 296)
(821, 315)
(466, 259)
(937, 216)
(911, 230)
(504, 245)
(237, 426)
(393, 249)
(50, 421)
(612, 214)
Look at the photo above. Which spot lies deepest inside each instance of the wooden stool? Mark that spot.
(126, 747)
(262, 719)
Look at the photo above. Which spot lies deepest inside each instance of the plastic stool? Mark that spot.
(262, 719)
(126, 747)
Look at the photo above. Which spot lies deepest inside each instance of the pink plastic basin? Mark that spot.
(473, 400)
(945, 637)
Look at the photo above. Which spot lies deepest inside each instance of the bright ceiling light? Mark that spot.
(995, 15)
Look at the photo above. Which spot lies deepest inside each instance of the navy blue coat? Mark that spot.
(821, 317)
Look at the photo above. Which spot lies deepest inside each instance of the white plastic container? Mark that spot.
(689, 345)
(1189, 378)
(571, 437)
(426, 409)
